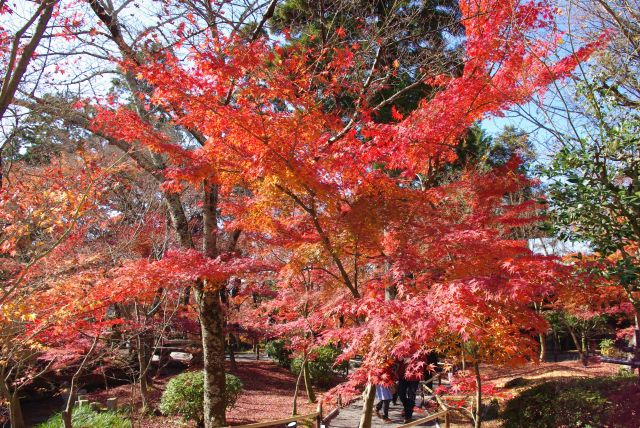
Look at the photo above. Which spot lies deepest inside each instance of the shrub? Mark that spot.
(321, 361)
(278, 351)
(608, 349)
(626, 372)
(491, 410)
(605, 345)
(574, 402)
(517, 382)
(185, 393)
(233, 389)
(84, 417)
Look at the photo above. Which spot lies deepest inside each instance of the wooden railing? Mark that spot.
(315, 416)
(442, 414)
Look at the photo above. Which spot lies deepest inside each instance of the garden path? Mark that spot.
(349, 417)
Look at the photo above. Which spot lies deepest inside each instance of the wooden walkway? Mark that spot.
(349, 417)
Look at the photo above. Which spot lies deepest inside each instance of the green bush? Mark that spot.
(277, 351)
(574, 402)
(491, 411)
(233, 389)
(516, 382)
(606, 344)
(84, 417)
(626, 372)
(321, 361)
(185, 393)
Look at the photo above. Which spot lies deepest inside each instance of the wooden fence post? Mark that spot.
(319, 417)
(446, 420)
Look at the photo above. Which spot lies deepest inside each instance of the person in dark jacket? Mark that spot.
(407, 389)
(432, 360)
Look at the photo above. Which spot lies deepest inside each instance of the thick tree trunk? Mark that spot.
(307, 382)
(212, 328)
(478, 408)
(211, 316)
(367, 407)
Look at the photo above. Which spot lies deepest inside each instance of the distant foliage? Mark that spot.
(321, 365)
(84, 417)
(278, 352)
(184, 395)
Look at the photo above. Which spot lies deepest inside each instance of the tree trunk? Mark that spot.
(307, 382)
(543, 346)
(15, 412)
(636, 345)
(211, 316)
(143, 365)
(232, 355)
(144, 392)
(14, 76)
(367, 406)
(390, 292)
(576, 342)
(294, 410)
(478, 408)
(67, 413)
(66, 419)
(212, 328)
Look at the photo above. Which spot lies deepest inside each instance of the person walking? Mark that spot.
(383, 395)
(407, 390)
